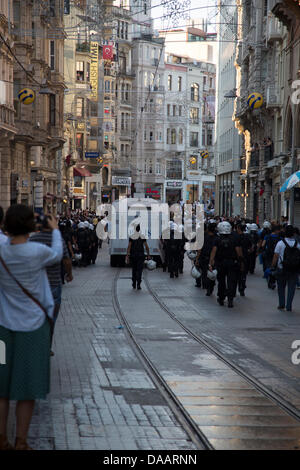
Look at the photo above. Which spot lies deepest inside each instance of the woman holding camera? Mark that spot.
(26, 312)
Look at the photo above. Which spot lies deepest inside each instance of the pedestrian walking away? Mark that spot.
(287, 261)
(54, 271)
(227, 257)
(136, 255)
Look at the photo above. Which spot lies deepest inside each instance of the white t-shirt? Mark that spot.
(3, 238)
(280, 247)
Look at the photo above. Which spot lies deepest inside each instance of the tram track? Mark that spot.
(192, 430)
(240, 413)
(275, 397)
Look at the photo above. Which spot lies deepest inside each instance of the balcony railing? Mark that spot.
(7, 116)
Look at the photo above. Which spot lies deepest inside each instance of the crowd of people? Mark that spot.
(230, 252)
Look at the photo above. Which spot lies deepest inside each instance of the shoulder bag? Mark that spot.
(26, 292)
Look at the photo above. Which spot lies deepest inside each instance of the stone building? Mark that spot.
(267, 62)
(31, 155)
(7, 114)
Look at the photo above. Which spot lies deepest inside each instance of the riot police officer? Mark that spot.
(246, 245)
(226, 256)
(203, 256)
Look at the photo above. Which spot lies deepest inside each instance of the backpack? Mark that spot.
(271, 245)
(291, 258)
(226, 248)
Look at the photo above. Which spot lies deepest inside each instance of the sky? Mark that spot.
(198, 9)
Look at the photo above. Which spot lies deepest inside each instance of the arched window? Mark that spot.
(173, 136)
(195, 92)
(168, 136)
(180, 136)
(107, 86)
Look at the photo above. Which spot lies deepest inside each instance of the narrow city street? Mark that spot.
(103, 397)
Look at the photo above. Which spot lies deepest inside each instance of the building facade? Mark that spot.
(228, 141)
(267, 62)
(30, 155)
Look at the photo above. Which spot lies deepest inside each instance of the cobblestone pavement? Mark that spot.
(101, 397)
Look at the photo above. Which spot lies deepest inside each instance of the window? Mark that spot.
(158, 168)
(145, 135)
(210, 82)
(52, 8)
(88, 74)
(173, 136)
(209, 136)
(194, 115)
(145, 167)
(151, 136)
(127, 92)
(180, 136)
(168, 109)
(145, 8)
(195, 92)
(80, 107)
(180, 110)
(52, 55)
(194, 139)
(52, 109)
(174, 169)
(203, 137)
(150, 166)
(174, 109)
(107, 86)
(168, 135)
(79, 71)
(169, 82)
(179, 83)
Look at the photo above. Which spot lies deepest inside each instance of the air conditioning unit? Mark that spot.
(274, 29)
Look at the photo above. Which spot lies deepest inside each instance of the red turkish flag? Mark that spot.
(108, 52)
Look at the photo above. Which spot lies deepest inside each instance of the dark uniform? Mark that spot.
(227, 264)
(173, 247)
(203, 262)
(83, 241)
(94, 245)
(137, 257)
(246, 245)
(252, 255)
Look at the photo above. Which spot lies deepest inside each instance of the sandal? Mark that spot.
(21, 444)
(4, 444)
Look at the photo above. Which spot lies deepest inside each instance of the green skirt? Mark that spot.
(25, 363)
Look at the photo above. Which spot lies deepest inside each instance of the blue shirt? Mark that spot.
(27, 262)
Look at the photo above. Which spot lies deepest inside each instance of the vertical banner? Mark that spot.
(94, 70)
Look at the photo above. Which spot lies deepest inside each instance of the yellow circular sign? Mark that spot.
(255, 100)
(204, 154)
(193, 160)
(26, 96)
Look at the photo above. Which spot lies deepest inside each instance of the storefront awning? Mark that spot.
(82, 172)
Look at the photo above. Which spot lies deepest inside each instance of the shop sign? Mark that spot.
(121, 180)
(193, 175)
(174, 184)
